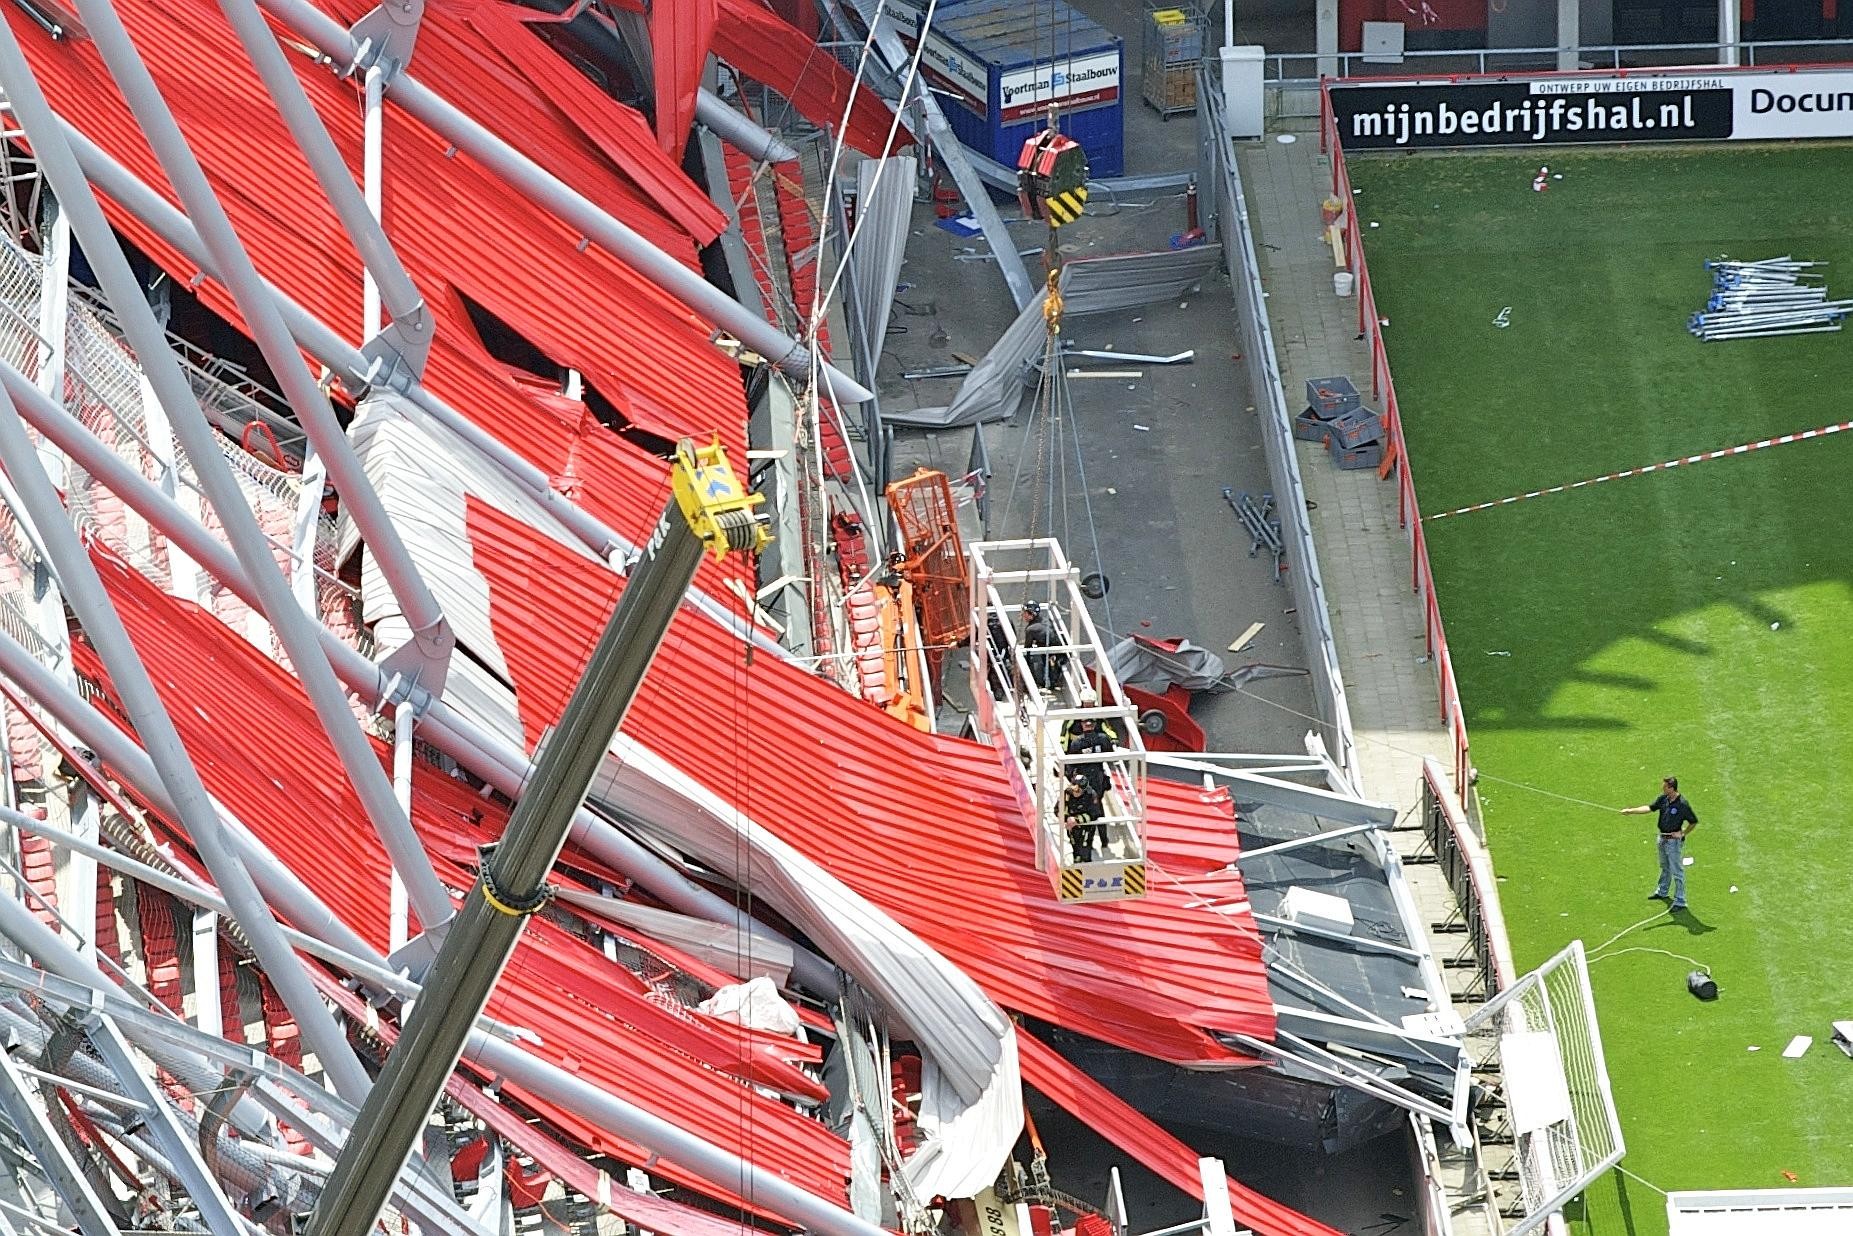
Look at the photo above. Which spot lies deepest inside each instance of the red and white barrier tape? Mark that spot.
(1742, 449)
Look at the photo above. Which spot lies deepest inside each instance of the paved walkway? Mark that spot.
(1363, 556)
(1363, 553)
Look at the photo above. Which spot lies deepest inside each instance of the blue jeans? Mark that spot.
(1672, 870)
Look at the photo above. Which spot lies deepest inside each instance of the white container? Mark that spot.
(1243, 89)
(1316, 909)
(1343, 282)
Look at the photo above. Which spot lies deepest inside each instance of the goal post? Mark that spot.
(1542, 1033)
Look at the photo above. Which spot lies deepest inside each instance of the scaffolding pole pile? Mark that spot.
(1776, 296)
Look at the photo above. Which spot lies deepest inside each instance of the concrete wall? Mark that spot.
(1533, 23)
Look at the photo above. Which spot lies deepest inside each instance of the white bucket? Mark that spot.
(1342, 282)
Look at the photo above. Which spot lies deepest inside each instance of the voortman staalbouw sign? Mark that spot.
(1589, 108)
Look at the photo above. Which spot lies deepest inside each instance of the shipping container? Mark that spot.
(997, 65)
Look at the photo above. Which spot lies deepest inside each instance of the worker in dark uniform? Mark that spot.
(1038, 634)
(1677, 820)
(997, 656)
(1090, 739)
(1081, 810)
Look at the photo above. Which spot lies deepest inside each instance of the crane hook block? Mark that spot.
(717, 506)
(1052, 178)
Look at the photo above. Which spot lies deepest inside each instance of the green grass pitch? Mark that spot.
(1638, 614)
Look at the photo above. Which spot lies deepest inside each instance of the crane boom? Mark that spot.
(709, 510)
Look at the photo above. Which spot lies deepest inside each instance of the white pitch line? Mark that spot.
(1740, 449)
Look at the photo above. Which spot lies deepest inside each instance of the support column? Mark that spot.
(1730, 31)
(1569, 33)
(207, 1010)
(76, 874)
(398, 930)
(1326, 37)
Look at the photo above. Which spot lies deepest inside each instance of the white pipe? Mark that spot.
(373, 139)
(403, 717)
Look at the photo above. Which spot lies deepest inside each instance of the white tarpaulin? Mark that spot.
(884, 209)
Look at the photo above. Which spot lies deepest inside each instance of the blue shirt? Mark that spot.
(1673, 813)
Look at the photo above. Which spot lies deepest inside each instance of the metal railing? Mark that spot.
(1383, 389)
(1305, 69)
(1463, 861)
(1222, 181)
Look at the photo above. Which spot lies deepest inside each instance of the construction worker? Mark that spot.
(1090, 740)
(997, 656)
(1081, 809)
(1038, 634)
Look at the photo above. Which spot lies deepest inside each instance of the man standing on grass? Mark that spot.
(1677, 820)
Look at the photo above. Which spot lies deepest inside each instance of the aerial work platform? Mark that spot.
(1038, 673)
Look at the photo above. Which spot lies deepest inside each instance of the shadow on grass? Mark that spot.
(1684, 917)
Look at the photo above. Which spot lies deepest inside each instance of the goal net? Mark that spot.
(1541, 1034)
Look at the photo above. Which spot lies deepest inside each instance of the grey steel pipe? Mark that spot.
(352, 368)
(397, 292)
(85, 593)
(279, 884)
(735, 128)
(294, 628)
(55, 955)
(489, 755)
(368, 971)
(167, 1039)
(543, 188)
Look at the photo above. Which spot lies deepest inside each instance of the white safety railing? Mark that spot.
(1031, 695)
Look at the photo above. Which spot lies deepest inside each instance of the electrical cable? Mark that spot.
(1421, 755)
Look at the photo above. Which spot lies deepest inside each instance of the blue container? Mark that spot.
(998, 63)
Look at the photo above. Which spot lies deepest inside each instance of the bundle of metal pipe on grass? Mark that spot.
(1776, 296)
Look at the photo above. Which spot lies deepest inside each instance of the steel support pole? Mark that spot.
(52, 1155)
(149, 342)
(404, 717)
(372, 151)
(734, 127)
(545, 189)
(368, 969)
(489, 755)
(181, 1151)
(279, 884)
(1569, 34)
(90, 601)
(1730, 31)
(512, 885)
(432, 640)
(352, 368)
(358, 209)
(55, 955)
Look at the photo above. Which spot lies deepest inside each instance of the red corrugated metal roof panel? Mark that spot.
(681, 32)
(924, 826)
(594, 1018)
(1102, 1110)
(615, 130)
(454, 224)
(767, 49)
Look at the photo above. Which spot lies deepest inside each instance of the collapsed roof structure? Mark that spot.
(276, 666)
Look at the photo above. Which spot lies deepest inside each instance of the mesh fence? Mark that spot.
(1542, 1033)
(104, 390)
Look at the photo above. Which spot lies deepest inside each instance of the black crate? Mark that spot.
(1332, 395)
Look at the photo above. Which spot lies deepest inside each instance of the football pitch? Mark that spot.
(1696, 622)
